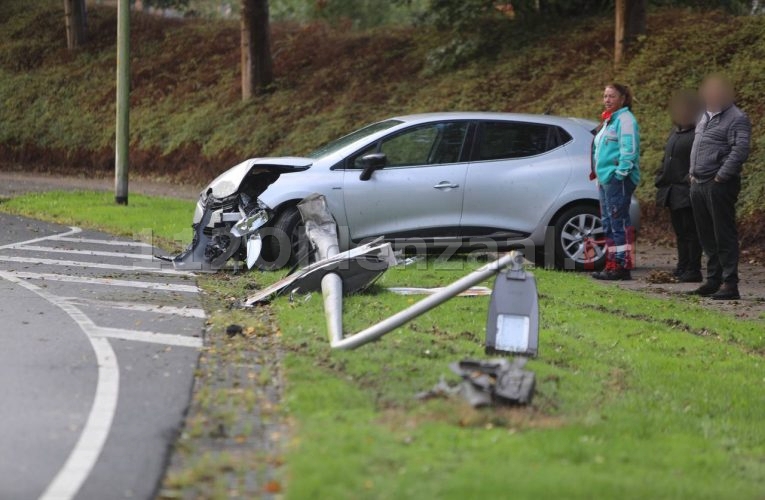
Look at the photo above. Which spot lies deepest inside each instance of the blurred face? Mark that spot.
(612, 99)
(716, 93)
(683, 114)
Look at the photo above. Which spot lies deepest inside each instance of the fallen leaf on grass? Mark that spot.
(660, 277)
(272, 487)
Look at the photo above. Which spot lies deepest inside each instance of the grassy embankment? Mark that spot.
(637, 397)
(188, 122)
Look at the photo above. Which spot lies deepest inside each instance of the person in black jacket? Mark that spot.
(673, 185)
(719, 151)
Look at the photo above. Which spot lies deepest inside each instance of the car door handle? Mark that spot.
(446, 185)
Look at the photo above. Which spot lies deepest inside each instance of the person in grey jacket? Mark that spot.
(720, 148)
(673, 185)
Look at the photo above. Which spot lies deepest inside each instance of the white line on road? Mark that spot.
(186, 312)
(86, 451)
(96, 241)
(106, 281)
(93, 253)
(150, 337)
(72, 230)
(94, 265)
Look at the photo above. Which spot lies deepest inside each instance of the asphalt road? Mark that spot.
(98, 347)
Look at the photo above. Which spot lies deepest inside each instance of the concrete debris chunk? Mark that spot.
(504, 381)
(488, 383)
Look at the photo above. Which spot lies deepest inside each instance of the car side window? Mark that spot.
(508, 140)
(431, 144)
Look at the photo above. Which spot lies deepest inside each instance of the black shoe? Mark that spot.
(728, 291)
(706, 290)
(679, 271)
(613, 275)
(690, 277)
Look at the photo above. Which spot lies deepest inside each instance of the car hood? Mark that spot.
(230, 181)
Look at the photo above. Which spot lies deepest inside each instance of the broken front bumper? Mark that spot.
(223, 231)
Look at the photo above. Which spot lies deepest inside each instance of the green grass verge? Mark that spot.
(165, 221)
(638, 397)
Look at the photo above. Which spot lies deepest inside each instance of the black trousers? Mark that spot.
(714, 208)
(688, 245)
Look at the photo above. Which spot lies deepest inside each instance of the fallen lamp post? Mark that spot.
(513, 314)
(374, 332)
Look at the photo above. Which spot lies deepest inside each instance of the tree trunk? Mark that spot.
(257, 65)
(76, 23)
(630, 24)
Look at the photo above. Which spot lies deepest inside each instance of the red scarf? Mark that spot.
(605, 115)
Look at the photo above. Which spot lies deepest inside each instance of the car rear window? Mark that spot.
(508, 140)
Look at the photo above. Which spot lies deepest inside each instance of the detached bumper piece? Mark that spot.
(359, 268)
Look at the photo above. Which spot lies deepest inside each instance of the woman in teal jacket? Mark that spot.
(616, 160)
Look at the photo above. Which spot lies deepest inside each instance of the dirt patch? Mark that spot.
(19, 183)
(460, 414)
(656, 257)
(659, 276)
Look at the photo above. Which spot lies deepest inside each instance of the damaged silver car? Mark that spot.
(229, 216)
(442, 180)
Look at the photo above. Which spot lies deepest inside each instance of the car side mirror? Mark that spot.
(372, 162)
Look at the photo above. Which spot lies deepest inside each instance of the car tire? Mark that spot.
(579, 231)
(284, 242)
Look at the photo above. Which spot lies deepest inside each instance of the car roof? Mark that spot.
(484, 115)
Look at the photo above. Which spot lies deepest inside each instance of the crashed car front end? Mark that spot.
(229, 214)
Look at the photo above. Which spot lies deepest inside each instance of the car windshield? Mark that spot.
(342, 142)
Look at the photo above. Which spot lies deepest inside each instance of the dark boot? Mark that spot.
(706, 290)
(610, 266)
(729, 291)
(618, 274)
(690, 277)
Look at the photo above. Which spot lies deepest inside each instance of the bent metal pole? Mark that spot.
(386, 326)
(332, 291)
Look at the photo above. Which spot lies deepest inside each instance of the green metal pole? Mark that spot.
(123, 103)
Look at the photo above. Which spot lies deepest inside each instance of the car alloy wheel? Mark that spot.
(581, 240)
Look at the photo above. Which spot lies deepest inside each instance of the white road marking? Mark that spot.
(96, 241)
(72, 230)
(93, 265)
(93, 253)
(186, 312)
(86, 451)
(106, 281)
(150, 337)
(83, 457)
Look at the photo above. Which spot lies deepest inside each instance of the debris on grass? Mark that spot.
(234, 330)
(488, 383)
